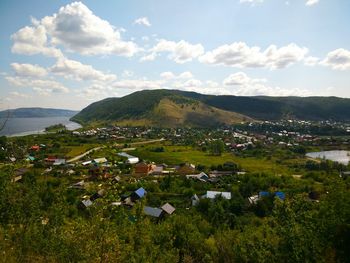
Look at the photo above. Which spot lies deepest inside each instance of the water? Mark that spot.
(336, 156)
(26, 126)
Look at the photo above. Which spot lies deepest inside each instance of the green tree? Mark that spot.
(216, 147)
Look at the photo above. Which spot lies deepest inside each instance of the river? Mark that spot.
(26, 126)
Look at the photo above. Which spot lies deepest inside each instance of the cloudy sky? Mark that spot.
(66, 54)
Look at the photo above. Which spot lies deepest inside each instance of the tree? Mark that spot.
(216, 147)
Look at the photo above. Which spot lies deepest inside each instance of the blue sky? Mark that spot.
(66, 54)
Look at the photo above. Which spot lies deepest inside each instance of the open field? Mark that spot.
(173, 155)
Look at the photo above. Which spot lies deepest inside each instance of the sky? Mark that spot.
(66, 54)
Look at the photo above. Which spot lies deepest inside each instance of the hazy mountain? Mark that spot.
(36, 113)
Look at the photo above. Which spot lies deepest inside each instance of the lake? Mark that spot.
(26, 126)
(336, 156)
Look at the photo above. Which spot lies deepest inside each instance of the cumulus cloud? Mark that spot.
(32, 40)
(311, 2)
(43, 86)
(169, 75)
(180, 52)
(77, 29)
(240, 55)
(76, 70)
(142, 21)
(28, 70)
(338, 59)
(241, 84)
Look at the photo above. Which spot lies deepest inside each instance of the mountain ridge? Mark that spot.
(141, 105)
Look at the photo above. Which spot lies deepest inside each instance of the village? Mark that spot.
(118, 165)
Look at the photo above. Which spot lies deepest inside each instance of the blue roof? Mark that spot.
(264, 194)
(140, 192)
(280, 195)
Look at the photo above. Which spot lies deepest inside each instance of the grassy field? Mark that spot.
(173, 155)
(77, 150)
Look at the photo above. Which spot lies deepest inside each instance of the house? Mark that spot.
(130, 159)
(263, 194)
(86, 203)
(201, 176)
(143, 169)
(138, 194)
(59, 162)
(153, 211)
(30, 158)
(214, 194)
(195, 200)
(168, 208)
(253, 200)
(50, 159)
(280, 195)
(35, 148)
(158, 170)
(100, 160)
(78, 185)
(86, 163)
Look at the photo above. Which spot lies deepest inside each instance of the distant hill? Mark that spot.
(36, 113)
(162, 108)
(177, 108)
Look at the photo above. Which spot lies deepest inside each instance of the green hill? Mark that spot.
(162, 108)
(176, 108)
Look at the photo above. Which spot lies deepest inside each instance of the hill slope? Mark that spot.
(36, 113)
(174, 108)
(162, 108)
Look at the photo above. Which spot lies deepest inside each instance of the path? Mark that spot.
(76, 158)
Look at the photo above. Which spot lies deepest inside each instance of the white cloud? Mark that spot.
(180, 52)
(19, 95)
(149, 57)
(77, 29)
(40, 85)
(311, 2)
(337, 59)
(32, 40)
(76, 70)
(135, 84)
(240, 84)
(28, 70)
(142, 21)
(169, 75)
(240, 55)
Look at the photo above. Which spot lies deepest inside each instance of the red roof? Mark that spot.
(35, 147)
